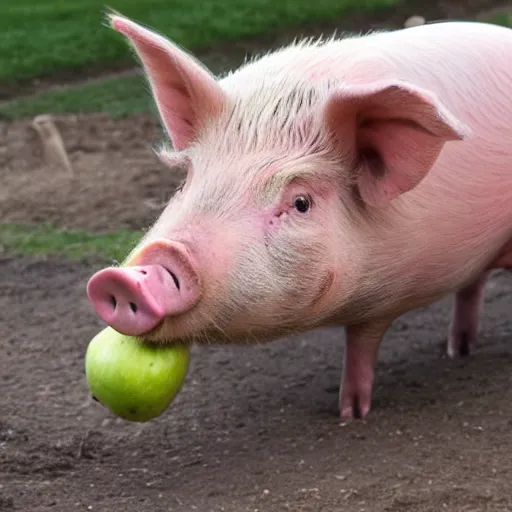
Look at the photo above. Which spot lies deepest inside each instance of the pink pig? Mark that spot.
(339, 182)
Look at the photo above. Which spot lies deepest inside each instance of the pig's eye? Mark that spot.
(302, 204)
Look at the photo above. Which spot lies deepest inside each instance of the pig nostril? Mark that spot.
(113, 301)
(133, 307)
(174, 278)
(143, 272)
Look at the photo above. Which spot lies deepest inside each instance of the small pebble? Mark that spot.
(414, 21)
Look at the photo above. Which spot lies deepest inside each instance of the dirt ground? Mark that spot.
(255, 428)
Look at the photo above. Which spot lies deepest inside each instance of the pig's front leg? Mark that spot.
(464, 326)
(361, 349)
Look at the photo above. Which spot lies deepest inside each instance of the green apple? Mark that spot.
(134, 380)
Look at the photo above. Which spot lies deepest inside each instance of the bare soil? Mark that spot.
(118, 181)
(255, 428)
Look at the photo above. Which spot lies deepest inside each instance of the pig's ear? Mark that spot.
(391, 133)
(185, 92)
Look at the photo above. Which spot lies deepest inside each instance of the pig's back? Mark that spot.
(463, 208)
(468, 65)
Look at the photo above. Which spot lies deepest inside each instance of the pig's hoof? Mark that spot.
(460, 345)
(464, 349)
(355, 407)
(356, 410)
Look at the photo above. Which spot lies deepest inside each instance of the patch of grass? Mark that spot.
(502, 18)
(43, 37)
(116, 96)
(129, 95)
(75, 245)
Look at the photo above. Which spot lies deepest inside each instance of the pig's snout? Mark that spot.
(134, 300)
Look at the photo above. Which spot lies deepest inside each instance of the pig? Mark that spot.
(332, 182)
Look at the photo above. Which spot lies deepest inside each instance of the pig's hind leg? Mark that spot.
(463, 332)
(466, 308)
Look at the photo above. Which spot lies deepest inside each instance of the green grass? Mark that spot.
(117, 96)
(502, 18)
(128, 95)
(44, 37)
(33, 45)
(46, 240)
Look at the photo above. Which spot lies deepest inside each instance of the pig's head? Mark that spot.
(285, 180)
